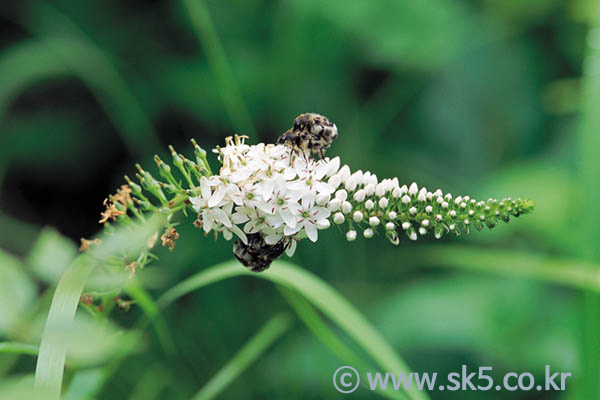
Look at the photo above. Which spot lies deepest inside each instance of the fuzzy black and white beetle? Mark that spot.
(310, 132)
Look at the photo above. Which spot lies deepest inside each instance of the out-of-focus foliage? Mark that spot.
(472, 96)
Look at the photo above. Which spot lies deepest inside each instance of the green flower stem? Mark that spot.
(18, 348)
(318, 293)
(248, 354)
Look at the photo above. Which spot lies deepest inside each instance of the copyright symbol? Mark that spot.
(346, 376)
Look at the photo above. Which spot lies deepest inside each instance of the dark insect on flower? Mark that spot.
(310, 132)
(257, 254)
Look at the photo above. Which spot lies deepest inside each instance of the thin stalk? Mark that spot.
(221, 69)
(247, 355)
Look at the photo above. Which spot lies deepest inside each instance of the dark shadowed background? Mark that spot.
(476, 97)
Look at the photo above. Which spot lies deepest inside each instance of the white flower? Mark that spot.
(309, 216)
(368, 233)
(259, 190)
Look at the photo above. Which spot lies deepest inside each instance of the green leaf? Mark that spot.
(50, 255)
(248, 354)
(320, 294)
(17, 292)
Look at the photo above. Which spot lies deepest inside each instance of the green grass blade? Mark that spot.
(576, 274)
(256, 346)
(217, 60)
(51, 360)
(319, 328)
(589, 214)
(321, 295)
(322, 332)
(18, 348)
(152, 311)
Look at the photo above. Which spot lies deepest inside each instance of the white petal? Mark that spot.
(239, 233)
(311, 232)
(291, 248)
(205, 188)
(216, 198)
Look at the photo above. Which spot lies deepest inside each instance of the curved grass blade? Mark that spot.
(321, 295)
(321, 331)
(51, 360)
(257, 345)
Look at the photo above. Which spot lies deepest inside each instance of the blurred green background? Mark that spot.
(480, 97)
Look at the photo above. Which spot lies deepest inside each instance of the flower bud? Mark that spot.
(368, 233)
(334, 205)
(338, 218)
(346, 207)
(374, 221)
(411, 233)
(350, 183)
(390, 226)
(412, 210)
(335, 181)
(392, 215)
(383, 202)
(357, 216)
(369, 204)
(341, 194)
(406, 199)
(323, 224)
(359, 196)
(351, 235)
(413, 189)
(322, 199)
(393, 237)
